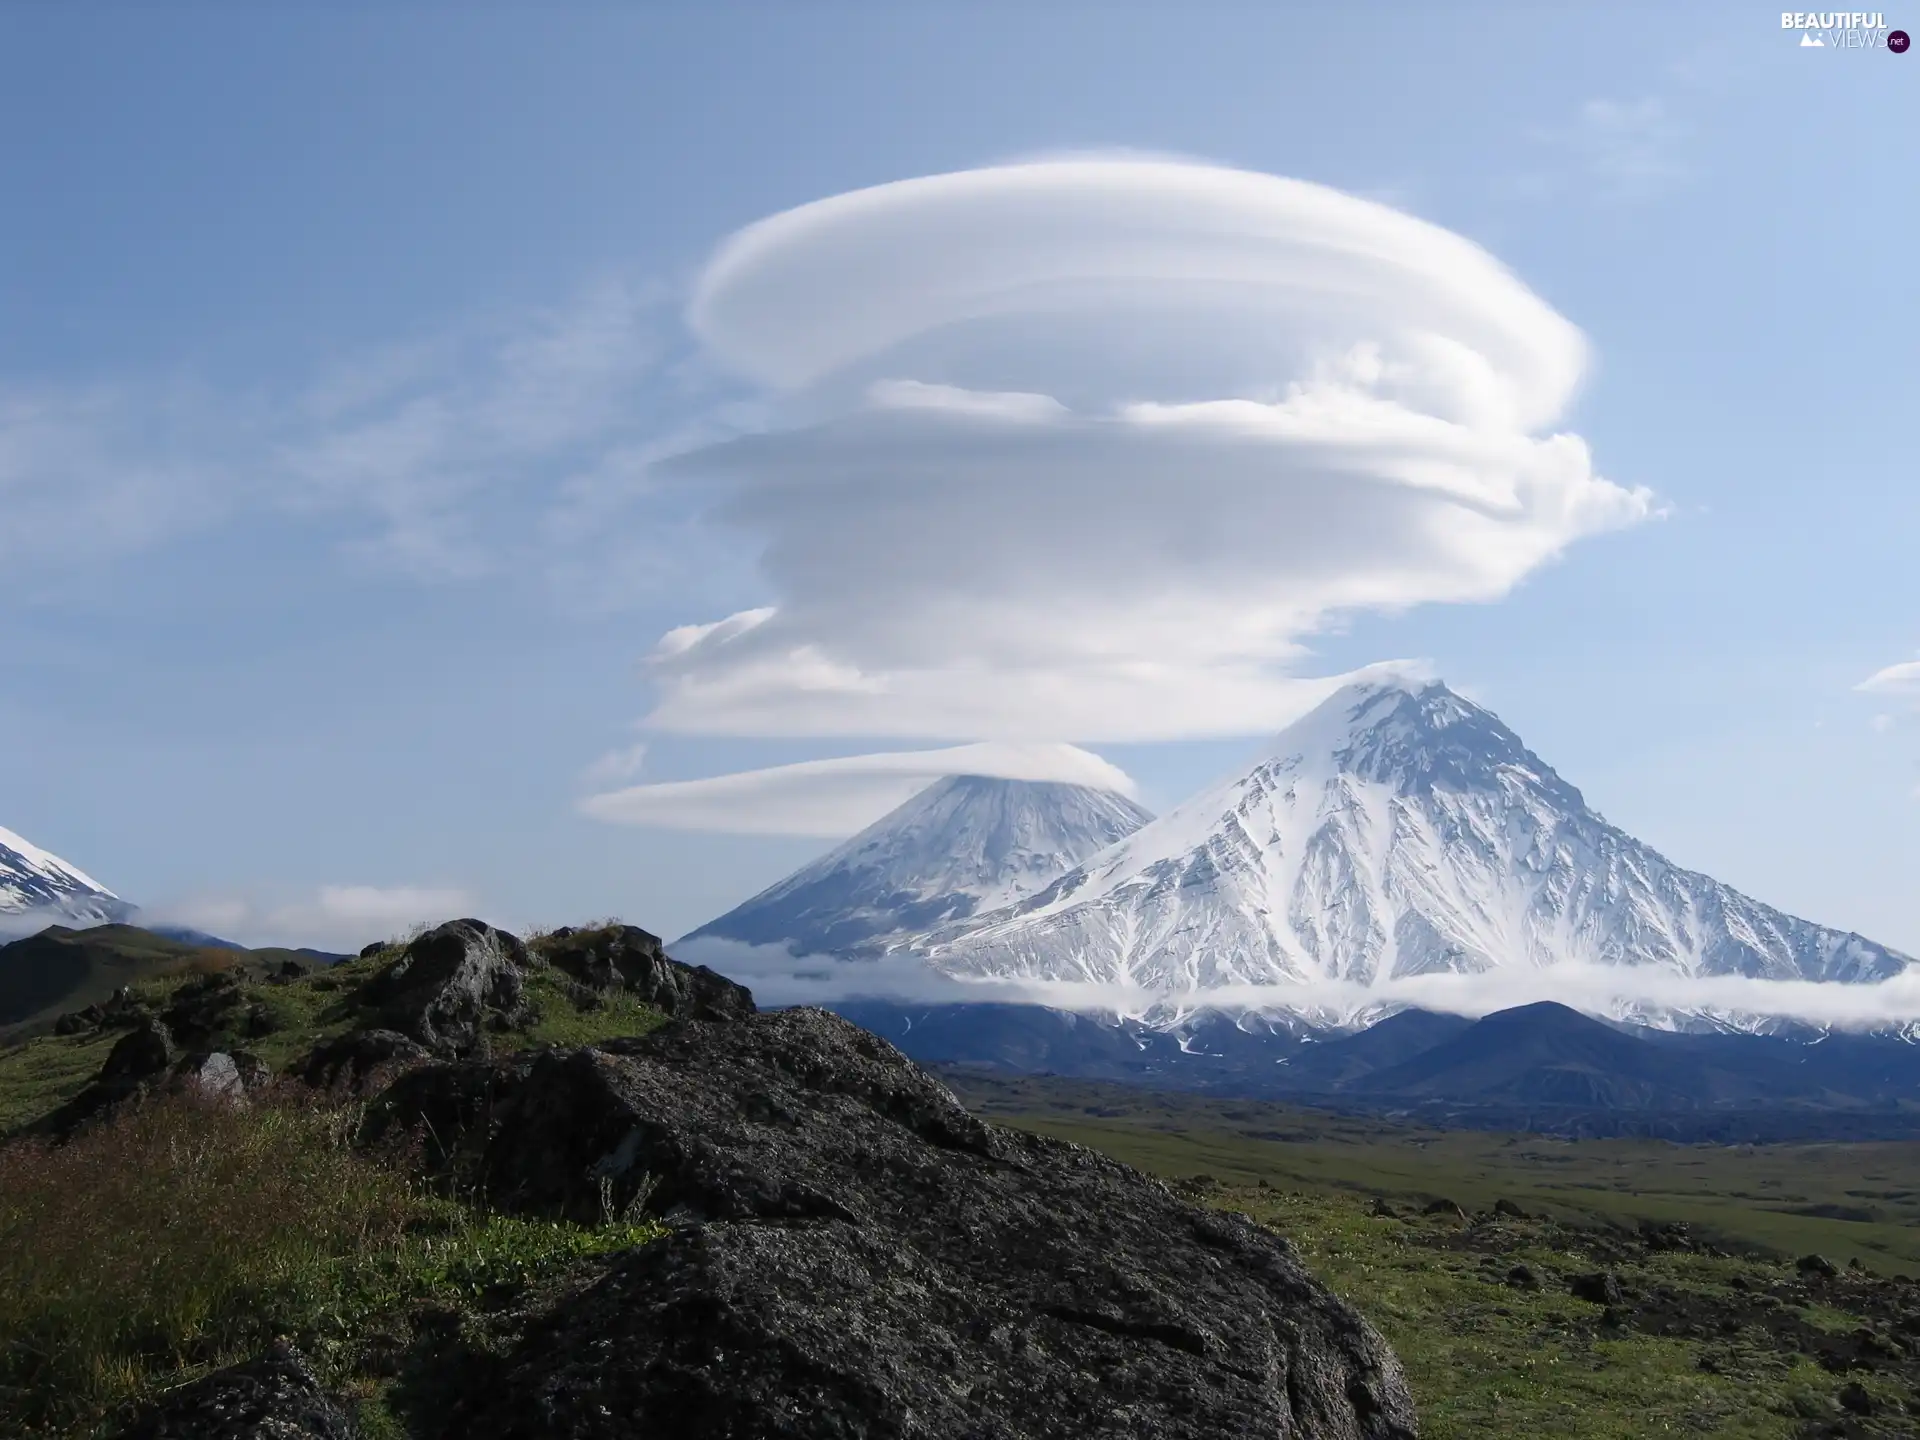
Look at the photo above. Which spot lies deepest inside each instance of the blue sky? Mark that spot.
(344, 354)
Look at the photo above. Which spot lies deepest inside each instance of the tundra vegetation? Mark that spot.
(1529, 1285)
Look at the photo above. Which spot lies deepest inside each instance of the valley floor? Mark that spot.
(1715, 1329)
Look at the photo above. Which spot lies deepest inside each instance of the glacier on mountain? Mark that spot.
(1397, 831)
(38, 888)
(965, 845)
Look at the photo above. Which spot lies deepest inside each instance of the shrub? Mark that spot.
(183, 1234)
(173, 1236)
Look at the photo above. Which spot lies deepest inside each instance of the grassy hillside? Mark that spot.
(62, 969)
(182, 1234)
(277, 1017)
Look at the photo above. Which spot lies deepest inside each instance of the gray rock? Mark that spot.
(213, 1077)
(853, 1254)
(275, 1397)
(625, 957)
(445, 987)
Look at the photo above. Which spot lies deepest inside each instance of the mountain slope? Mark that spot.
(62, 968)
(34, 883)
(1395, 831)
(965, 845)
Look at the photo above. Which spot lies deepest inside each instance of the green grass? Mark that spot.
(564, 1022)
(1729, 1350)
(180, 1236)
(1742, 1194)
(1485, 1359)
(38, 1074)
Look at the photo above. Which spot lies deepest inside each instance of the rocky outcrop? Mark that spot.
(853, 1254)
(361, 1062)
(146, 1060)
(275, 1397)
(116, 1013)
(625, 957)
(448, 987)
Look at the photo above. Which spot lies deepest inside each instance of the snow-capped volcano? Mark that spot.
(964, 845)
(34, 883)
(1397, 830)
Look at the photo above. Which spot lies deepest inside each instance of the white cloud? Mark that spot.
(1902, 680)
(834, 798)
(1093, 447)
(523, 439)
(334, 917)
(616, 765)
(1629, 992)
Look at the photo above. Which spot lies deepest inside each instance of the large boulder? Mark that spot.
(853, 1254)
(275, 1397)
(446, 988)
(625, 957)
(360, 1062)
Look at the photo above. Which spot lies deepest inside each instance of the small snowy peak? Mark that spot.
(1397, 830)
(965, 845)
(36, 883)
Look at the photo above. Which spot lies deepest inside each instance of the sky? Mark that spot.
(422, 432)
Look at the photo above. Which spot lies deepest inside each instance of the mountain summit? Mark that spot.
(1396, 830)
(35, 883)
(965, 845)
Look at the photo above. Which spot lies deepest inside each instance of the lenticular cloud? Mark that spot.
(1090, 447)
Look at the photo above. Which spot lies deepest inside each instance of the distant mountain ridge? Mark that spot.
(965, 845)
(1398, 830)
(1533, 1067)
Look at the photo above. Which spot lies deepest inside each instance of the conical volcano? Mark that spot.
(1396, 830)
(965, 845)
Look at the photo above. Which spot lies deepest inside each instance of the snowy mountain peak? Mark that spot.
(964, 845)
(34, 882)
(1413, 737)
(1396, 830)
